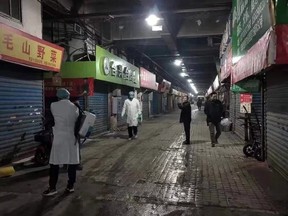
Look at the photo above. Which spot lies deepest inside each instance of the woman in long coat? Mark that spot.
(65, 148)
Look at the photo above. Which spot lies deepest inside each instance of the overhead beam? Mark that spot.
(137, 13)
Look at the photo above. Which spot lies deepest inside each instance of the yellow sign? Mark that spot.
(22, 48)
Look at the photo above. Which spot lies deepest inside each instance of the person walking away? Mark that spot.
(214, 111)
(132, 110)
(65, 148)
(185, 118)
(199, 104)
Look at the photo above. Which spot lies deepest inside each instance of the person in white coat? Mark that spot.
(65, 148)
(133, 112)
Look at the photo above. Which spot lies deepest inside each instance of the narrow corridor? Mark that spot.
(156, 175)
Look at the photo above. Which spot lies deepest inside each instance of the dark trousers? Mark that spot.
(212, 126)
(187, 126)
(54, 173)
(132, 130)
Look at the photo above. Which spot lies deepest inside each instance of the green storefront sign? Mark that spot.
(282, 12)
(251, 20)
(113, 69)
(107, 67)
(251, 86)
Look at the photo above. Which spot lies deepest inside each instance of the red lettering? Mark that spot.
(40, 52)
(26, 48)
(53, 56)
(8, 40)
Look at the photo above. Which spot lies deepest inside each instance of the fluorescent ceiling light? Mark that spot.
(157, 28)
(183, 74)
(194, 88)
(152, 20)
(178, 62)
(189, 80)
(236, 59)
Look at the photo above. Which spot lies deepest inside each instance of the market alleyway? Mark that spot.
(156, 175)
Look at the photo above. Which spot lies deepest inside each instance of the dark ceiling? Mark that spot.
(192, 31)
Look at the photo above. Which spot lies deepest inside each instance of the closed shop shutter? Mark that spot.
(164, 102)
(98, 104)
(21, 111)
(155, 102)
(145, 106)
(235, 114)
(239, 127)
(257, 114)
(121, 121)
(232, 110)
(277, 121)
(169, 102)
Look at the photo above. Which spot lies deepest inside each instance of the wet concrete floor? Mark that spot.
(155, 175)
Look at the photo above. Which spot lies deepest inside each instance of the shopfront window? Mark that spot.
(11, 8)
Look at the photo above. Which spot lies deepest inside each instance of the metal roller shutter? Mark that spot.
(145, 106)
(121, 121)
(156, 103)
(98, 104)
(257, 113)
(239, 128)
(21, 108)
(277, 122)
(232, 109)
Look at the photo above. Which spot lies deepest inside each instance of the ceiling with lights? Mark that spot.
(181, 37)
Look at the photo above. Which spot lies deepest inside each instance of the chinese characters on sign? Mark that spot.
(19, 47)
(251, 19)
(245, 103)
(147, 79)
(111, 68)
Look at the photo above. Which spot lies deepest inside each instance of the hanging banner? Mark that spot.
(251, 20)
(282, 44)
(147, 79)
(226, 68)
(77, 87)
(21, 48)
(255, 60)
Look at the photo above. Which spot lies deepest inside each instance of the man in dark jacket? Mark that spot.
(185, 118)
(214, 111)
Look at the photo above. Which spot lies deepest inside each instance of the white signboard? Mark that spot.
(247, 106)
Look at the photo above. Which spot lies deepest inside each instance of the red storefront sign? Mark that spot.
(21, 48)
(226, 68)
(245, 98)
(282, 44)
(147, 79)
(254, 61)
(164, 86)
(77, 87)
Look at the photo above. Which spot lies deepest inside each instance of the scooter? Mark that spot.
(253, 146)
(42, 153)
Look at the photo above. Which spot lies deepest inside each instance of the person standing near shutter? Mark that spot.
(214, 111)
(185, 118)
(65, 148)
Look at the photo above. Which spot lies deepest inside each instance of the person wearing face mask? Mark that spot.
(132, 110)
(214, 111)
(65, 148)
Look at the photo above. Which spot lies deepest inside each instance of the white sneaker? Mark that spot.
(136, 137)
(129, 139)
